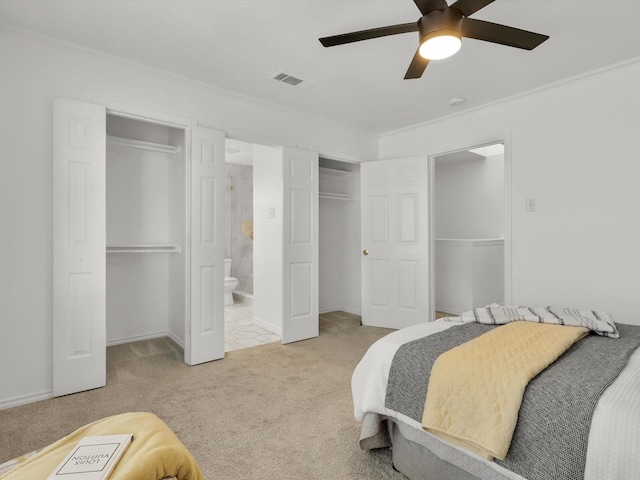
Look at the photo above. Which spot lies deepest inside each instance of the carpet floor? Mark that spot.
(271, 412)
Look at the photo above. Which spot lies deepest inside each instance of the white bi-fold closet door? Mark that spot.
(164, 263)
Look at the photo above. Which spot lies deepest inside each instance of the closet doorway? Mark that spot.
(146, 231)
(339, 208)
(148, 259)
(468, 228)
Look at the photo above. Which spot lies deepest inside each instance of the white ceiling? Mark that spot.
(238, 45)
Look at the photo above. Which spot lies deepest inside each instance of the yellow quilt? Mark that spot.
(475, 389)
(154, 453)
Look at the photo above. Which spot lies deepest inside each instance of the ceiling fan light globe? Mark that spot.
(440, 46)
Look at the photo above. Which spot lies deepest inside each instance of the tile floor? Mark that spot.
(239, 330)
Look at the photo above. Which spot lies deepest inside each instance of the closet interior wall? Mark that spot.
(339, 249)
(146, 231)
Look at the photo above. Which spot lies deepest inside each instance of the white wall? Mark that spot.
(33, 73)
(469, 197)
(268, 237)
(468, 204)
(468, 274)
(574, 148)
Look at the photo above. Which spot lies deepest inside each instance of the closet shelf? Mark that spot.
(336, 196)
(156, 147)
(143, 248)
(334, 172)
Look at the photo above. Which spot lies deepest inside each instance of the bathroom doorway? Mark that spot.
(468, 229)
(241, 329)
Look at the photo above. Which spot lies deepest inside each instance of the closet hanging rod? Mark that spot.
(156, 147)
(334, 172)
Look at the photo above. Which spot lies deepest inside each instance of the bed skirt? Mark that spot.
(419, 455)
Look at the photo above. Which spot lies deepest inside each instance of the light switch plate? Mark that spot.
(530, 205)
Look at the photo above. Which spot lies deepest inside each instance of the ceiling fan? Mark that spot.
(441, 29)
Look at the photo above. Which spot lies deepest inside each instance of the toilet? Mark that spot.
(230, 283)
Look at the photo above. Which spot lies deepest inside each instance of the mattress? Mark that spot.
(613, 438)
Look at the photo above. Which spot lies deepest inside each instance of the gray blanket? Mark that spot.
(550, 440)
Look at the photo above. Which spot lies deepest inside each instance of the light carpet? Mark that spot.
(269, 412)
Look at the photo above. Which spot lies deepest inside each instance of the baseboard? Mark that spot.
(340, 309)
(138, 338)
(24, 399)
(267, 326)
(243, 295)
(453, 311)
(176, 340)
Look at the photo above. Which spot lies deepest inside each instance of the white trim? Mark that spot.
(81, 49)
(517, 96)
(176, 340)
(24, 399)
(138, 338)
(453, 311)
(508, 236)
(469, 242)
(431, 232)
(137, 112)
(267, 326)
(340, 309)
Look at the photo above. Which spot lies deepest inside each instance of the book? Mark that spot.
(93, 458)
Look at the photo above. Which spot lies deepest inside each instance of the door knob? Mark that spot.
(365, 252)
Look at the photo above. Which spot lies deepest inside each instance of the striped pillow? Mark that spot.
(598, 322)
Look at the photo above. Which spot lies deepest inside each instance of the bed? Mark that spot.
(610, 432)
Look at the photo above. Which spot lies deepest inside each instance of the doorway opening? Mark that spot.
(339, 237)
(146, 263)
(468, 229)
(241, 329)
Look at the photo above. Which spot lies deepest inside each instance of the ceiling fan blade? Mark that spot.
(425, 6)
(417, 66)
(368, 34)
(502, 34)
(469, 7)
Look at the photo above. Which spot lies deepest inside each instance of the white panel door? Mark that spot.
(79, 235)
(205, 330)
(300, 219)
(395, 242)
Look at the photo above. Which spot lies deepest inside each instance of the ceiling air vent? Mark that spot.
(291, 80)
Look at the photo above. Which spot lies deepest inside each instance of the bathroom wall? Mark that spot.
(239, 210)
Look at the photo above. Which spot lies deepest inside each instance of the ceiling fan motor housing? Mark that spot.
(440, 22)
